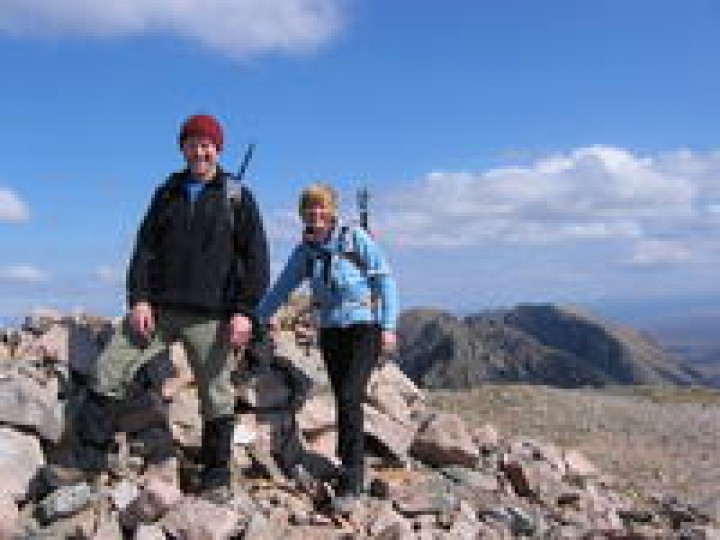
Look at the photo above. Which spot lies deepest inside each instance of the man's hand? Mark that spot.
(388, 342)
(142, 319)
(240, 330)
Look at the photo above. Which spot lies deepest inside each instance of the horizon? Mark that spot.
(514, 152)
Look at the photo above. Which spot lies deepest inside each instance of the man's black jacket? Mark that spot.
(187, 254)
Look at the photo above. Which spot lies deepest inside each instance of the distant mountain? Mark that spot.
(549, 344)
(693, 336)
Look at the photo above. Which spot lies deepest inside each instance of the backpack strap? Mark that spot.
(348, 249)
(234, 189)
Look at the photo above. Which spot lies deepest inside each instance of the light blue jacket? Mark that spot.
(345, 293)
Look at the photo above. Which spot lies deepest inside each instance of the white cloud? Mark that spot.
(591, 193)
(235, 27)
(109, 275)
(22, 273)
(659, 253)
(12, 208)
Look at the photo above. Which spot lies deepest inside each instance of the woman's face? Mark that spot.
(318, 220)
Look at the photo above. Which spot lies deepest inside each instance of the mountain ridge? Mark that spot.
(558, 345)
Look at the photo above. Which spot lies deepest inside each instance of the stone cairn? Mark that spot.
(431, 476)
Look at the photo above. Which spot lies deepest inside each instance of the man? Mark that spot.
(199, 267)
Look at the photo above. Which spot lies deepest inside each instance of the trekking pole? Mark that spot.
(363, 197)
(246, 160)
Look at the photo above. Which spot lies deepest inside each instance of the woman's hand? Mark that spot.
(388, 342)
(240, 330)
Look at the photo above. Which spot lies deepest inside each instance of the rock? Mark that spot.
(149, 532)
(320, 456)
(156, 497)
(21, 459)
(385, 522)
(429, 496)
(184, 418)
(40, 320)
(390, 391)
(259, 528)
(532, 478)
(577, 466)
(529, 450)
(317, 415)
(66, 501)
(180, 375)
(124, 493)
(71, 343)
(465, 525)
(518, 519)
(393, 436)
(9, 517)
(305, 532)
(475, 480)
(486, 437)
(445, 440)
(311, 364)
(25, 403)
(198, 519)
(108, 528)
(701, 533)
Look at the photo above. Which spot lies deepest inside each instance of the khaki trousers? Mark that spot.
(206, 342)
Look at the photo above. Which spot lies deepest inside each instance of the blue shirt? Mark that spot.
(193, 186)
(344, 291)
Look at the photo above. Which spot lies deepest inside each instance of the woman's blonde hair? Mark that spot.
(321, 194)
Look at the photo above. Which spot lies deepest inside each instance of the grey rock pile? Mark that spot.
(431, 475)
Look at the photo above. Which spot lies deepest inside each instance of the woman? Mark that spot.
(355, 293)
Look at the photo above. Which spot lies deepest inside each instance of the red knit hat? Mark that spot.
(202, 125)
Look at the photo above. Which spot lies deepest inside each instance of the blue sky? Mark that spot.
(516, 150)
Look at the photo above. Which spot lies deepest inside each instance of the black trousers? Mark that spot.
(350, 354)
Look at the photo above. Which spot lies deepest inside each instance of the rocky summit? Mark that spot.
(432, 475)
(543, 344)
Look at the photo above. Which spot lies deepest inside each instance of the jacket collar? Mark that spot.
(178, 179)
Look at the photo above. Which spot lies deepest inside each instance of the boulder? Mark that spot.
(184, 417)
(9, 517)
(445, 440)
(66, 501)
(155, 498)
(393, 436)
(21, 458)
(430, 495)
(25, 403)
(198, 519)
(392, 392)
(317, 415)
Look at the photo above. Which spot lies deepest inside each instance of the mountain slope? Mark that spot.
(547, 344)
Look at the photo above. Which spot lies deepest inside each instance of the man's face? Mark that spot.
(201, 156)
